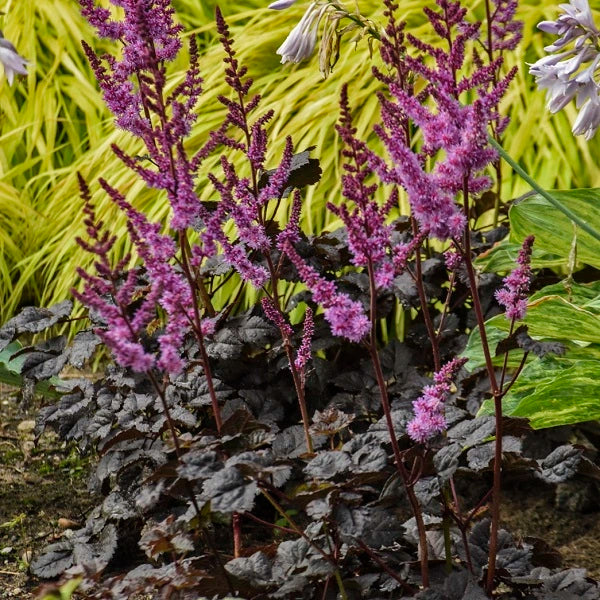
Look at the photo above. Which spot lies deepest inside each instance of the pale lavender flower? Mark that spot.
(281, 4)
(301, 41)
(12, 62)
(429, 417)
(569, 74)
(513, 296)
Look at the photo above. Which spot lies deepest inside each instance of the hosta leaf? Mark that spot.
(554, 391)
(553, 230)
(570, 315)
(502, 257)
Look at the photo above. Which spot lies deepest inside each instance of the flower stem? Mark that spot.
(387, 411)
(496, 392)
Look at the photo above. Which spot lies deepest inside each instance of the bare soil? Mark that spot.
(43, 492)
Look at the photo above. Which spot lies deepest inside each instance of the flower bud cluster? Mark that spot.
(429, 417)
(513, 296)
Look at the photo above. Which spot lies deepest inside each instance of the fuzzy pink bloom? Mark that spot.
(429, 417)
(513, 296)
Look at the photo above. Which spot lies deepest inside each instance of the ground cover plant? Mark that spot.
(296, 447)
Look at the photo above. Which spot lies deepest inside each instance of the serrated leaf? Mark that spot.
(34, 320)
(82, 348)
(229, 492)
(480, 457)
(473, 431)
(56, 559)
(255, 330)
(446, 460)
(45, 360)
(8, 333)
(291, 442)
(328, 464)
(561, 464)
(255, 569)
(303, 171)
(198, 465)
(298, 556)
(225, 344)
(95, 551)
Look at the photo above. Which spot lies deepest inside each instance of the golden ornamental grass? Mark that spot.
(54, 124)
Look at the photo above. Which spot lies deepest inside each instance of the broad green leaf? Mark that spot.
(553, 231)
(10, 371)
(555, 390)
(502, 257)
(569, 315)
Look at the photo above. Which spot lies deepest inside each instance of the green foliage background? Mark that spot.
(53, 124)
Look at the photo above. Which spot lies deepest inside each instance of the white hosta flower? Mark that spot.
(281, 4)
(11, 60)
(301, 41)
(571, 73)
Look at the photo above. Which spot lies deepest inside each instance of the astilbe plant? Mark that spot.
(205, 462)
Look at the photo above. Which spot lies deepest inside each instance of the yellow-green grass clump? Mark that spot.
(54, 124)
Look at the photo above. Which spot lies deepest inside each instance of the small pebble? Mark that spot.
(26, 426)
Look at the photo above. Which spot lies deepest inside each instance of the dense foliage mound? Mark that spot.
(266, 425)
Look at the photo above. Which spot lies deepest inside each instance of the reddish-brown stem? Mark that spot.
(505, 363)
(387, 411)
(474, 510)
(516, 374)
(435, 351)
(496, 392)
(271, 525)
(438, 333)
(330, 559)
(462, 526)
(187, 484)
(236, 526)
(298, 385)
(198, 332)
(408, 588)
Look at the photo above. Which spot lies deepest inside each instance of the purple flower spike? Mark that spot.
(276, 317)
(346, 317)
(513, 296)
(304, 351)
(429, 417)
